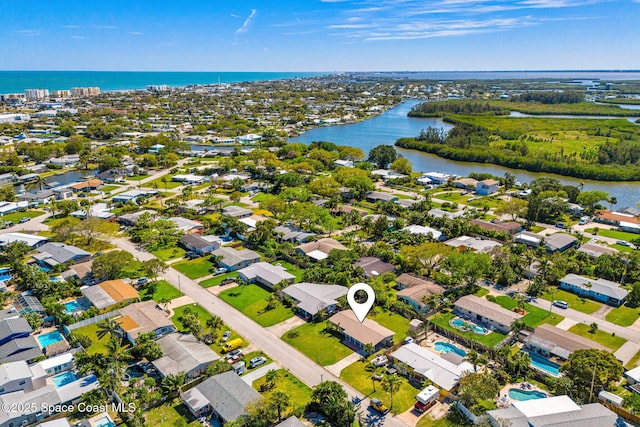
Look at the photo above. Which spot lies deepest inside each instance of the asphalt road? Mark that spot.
(297, 363)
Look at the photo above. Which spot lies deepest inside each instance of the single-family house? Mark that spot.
(236, 212)
(289, 233)
(466, 183)
(560, 242)
(554, 411)
(418, 295)
(142, 317)
(424, 230)
(189, 179)
(550, 341)
(187, 225)
(485, 312)
(527, 238)
(183, 353)
(32, 240)
(265, 274)
(320, 249)
(225, 396)
(196, 243)
(487, 187)
(7, 178)
(111, 176)
(233, 259)
(19, 376)
(359, 334)
(594, 250)
(109, 293)
(633, 376)
(475, 244)
(9, 207)
(443, 371)
(132, 219)
(39, 197)
(374, 266)
(56, 364)
(86, 186)
(510, 227)
(292, 421)
(133, 196)
(16, 341)
(196, 205)
(311, 298)
(378, 196)
(55, 253)
(615, 218)
(601, 290)
(67, 160)
(439, 213)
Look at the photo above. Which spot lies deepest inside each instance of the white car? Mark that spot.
(257, 361)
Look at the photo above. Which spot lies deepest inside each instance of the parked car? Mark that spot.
(8, 223)
(380, 361)
(234, 353)
(226, 336)
(142, 281)
(220, 270)
(257, 361)
(24, 219)
(561, 225)
(623, 243)
(379, 406)
(408, 340)
(561, 304)
(191, 255)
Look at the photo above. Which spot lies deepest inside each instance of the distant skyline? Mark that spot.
(320, 35)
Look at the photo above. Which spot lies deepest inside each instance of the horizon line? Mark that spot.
(338, 72)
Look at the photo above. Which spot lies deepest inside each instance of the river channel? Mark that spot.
(394, 123)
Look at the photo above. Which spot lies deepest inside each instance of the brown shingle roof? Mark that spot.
(367, 332)
(119, 290)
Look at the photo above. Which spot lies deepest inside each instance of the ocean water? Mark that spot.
(18, 81)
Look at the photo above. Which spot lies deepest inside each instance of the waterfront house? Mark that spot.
(601, 290)
(111, 176)
(225, 396)
(233, 259)
(358, 334)
(311, 298)
(487, 187)
(183, 353)
(485, 312)
(265, 274)
(86, 186)
(466, 183)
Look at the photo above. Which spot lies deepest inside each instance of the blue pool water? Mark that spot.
(5, 277)
(544, 364)
(105, 422)
(72, 306)
(50, 338)
(519, 394)
(64, 378)
(446, 348)
(458, 323)
(480, 329)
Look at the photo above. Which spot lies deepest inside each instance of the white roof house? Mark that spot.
(419, 229)
(30, 239)
(313, 298)
(440, 371)
(475, 244)
(266, 274)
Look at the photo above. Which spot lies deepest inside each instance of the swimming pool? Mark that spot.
(458, 323)
(544, 364)
(73, 306)
(105, 422)
(64, 378)
(50, 338)
(519, 394)
(468, 326)
(445, 347)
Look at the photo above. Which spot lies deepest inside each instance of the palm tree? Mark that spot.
(369, 349)
(612, 201)
(271, 378)
(118, 354)
(473, 358)
(391, 384)
(282, 401)
(108, 327)
(164, 302)
(171, 384)
(214, 323)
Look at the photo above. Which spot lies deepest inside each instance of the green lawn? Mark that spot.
(452, 419)
(575, 302)
(299, 393)
(137, 177)
(633, 362)
(173, 413)
(109, 188)
(161, 185)
(623, 315)
(317, 343)
(159, 291)
(489, 340)
(247, 359)
(535, 316)
(481, 292)
(16, 216)
(203, 315)
(166, 254)
(293, 269)
(216, 280)
(604, 338)
(614, 234)
(536, 228)
(358, 375)
(622, 248)
(261, 197)
(194, 268)
(252, 301)
(91, 331)
(393, 321)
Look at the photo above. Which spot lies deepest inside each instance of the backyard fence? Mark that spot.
(91, 321)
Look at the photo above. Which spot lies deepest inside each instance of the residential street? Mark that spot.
(297, 363)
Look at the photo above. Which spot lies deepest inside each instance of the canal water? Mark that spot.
(394, 123)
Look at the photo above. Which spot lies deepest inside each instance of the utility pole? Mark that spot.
(593, 380)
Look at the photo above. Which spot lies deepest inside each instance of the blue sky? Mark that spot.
(319, 35)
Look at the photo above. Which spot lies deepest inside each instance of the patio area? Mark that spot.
(440, 345)
(520, 392)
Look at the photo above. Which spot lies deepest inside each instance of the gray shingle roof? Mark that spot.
(599, 286)
(313, 297)
(60, 252)
(182, 353)
(487, 309)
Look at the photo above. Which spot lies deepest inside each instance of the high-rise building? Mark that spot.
(35, 94)
(157, 88)
(62, 93)
(85, 91)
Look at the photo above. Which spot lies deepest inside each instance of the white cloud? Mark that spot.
(135, 33)
(247, 22)
(29, 33)
(79, 37)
